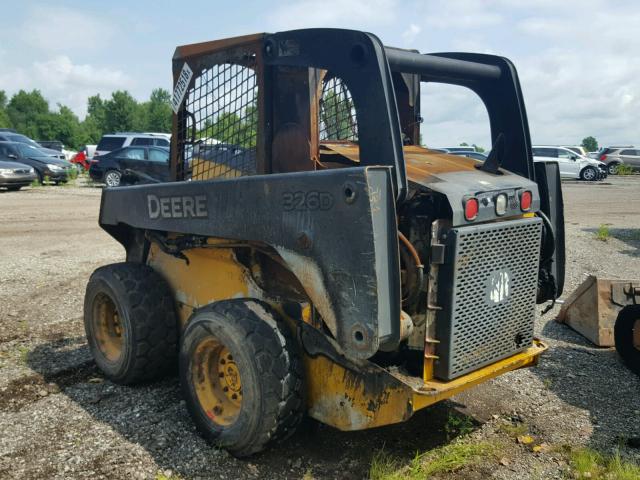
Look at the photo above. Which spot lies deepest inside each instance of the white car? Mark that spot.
(114, 141)
(570, 163)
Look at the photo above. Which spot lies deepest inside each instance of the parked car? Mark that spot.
(570, 163)
(577, 149)
(53, 168)
(614, 157)
(14, 175)
(127, 165)
(475, 155)
(17, 137)
(457, 149)
(114, 141)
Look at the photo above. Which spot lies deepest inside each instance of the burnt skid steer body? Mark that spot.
(310, 257)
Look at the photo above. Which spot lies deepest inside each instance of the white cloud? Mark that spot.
(410, 34)
(58, 29)
(62, 81)
(364, 14)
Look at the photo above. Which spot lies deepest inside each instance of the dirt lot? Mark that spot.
(60, 419)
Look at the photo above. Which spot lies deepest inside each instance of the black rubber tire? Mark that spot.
(590, 172)
(14, 188)
(148, 317)
(623, 334)
(115, 174)
(612, 168)
(270, 367)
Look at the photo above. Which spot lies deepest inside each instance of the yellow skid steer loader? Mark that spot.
(310, 256)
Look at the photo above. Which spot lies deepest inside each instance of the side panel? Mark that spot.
(335, 229)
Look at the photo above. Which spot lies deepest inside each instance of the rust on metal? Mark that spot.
(593, 307)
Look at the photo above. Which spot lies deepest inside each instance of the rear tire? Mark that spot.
(612, 168)
(589, 174)
(241, 375)
(627, 337)
(112, 178)
(130, 322)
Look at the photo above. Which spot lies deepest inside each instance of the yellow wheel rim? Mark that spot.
(216, 379)
(107, 327)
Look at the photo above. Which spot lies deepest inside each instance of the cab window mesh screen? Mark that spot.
(221, 123)
(337, 112)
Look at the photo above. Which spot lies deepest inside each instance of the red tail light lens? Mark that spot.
(525, 200)
(603, 158)
(471, 208)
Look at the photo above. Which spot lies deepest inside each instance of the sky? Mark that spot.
(578, 60)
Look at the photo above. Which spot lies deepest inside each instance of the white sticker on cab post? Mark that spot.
(180, 89)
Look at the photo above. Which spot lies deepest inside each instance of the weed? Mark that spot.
(458, 425)
(587, 463)
(46, 179)
(547, 382)
(623, 169)
(448, 458)
(162, 476)
(36, 183)
(308, 475)
(514, 430)
(603, 233)
(24, 354)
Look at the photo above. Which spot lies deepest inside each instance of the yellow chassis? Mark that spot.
(339, 393)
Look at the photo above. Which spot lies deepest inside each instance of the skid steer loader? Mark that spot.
(310, 257)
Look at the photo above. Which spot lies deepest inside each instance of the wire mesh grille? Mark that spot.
(495, 271)
(220, 131)
(337, 112)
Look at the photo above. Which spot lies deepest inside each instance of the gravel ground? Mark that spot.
(60, 419)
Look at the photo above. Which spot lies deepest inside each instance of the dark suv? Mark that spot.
(130, 165)
(53, 168)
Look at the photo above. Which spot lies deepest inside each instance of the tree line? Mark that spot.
(29, 113)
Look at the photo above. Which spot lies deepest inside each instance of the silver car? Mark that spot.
(614, 157)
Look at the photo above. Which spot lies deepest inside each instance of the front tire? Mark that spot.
(612, 168)
(130, 322)
(112, 178)
(589, 174)
(241, 375)
(627, 337)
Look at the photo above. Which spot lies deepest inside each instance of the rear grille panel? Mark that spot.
(487, 293)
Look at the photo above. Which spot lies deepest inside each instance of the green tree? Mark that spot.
(121, 113)
(4, 117)
(590, 144)
(24, 111)
(158, 111)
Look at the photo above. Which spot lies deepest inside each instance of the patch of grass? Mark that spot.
(23, 354)
(458, 425)
(624, 169)
(308, 475)
(547, 382)
(162, 476)
(46, 180)
(36, 183)
(514, 430)
(448, 458)
(602, 233)
(587, 463)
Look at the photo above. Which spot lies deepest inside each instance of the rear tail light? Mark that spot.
(471, 208)
(603, 158)
(94, 161)
(525, 200)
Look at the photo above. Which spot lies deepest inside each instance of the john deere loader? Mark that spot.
(310, 257)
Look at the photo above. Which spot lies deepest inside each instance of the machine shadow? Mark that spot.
(611, 398)
(155, 417)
